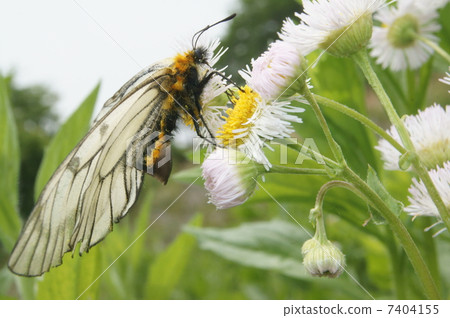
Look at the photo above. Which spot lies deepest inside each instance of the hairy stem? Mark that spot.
(295, 170)
(400, 231)
(362, 59)
(361, 118)
(335, 148)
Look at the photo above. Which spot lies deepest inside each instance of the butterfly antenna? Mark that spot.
(199, 33)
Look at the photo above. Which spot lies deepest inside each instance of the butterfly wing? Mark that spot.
(127, 88)
(97, 183)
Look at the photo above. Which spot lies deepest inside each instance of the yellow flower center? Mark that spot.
(237, 117)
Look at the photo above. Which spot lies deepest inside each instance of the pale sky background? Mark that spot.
(71, 45)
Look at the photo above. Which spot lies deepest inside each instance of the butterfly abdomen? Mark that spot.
(181, 99)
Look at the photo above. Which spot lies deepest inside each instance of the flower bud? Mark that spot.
(278, 72)
(429, 132)
(230, 177)
(309, 245)
(323, 259)
(349, 39)
(340, 27)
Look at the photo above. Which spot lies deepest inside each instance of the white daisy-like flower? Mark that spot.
(395, 44)
(253, 121)
(446, 79)
(429, 131)
(421, 203)
(341, 27)
(276, 71)
(437, 4)
(217, 85)
(212, 113)
(230, 177)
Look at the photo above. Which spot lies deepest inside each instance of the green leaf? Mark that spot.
(75, 277)
(377, 261)
(9, 171)
(444, 259)
(168, 268)
(394, 205)
(187, 175)
(6, 280)
(142, 210)
(273, 245)
(70, 133)
(26, 286)
(124, 280)
(444, 32)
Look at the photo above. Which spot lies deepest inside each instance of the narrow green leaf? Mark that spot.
(444, 32)
(73, 277)
(127, 274)
(187, 175)
(168, 268)
(273, 245)
(143, 214)
(426, 71)
(26, 286)
(6, 280)
(9, 171)
(70, 133)
(394, 205)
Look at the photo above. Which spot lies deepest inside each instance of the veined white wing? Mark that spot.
(128, 87)
(94, 186)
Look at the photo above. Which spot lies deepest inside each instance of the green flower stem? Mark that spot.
(435, 47)
(321, 232)
(333, 184)
(335, 148)
(432, 190)
(400, 231)
(362, 60)
(361, 118)
(359, 187)
(293, 144)
(318, 221)
(295, 170)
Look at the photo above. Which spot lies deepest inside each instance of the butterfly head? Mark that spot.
(201, 55)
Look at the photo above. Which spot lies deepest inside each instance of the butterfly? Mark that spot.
(99, 181)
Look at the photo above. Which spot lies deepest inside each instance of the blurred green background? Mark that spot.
(249, 252)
